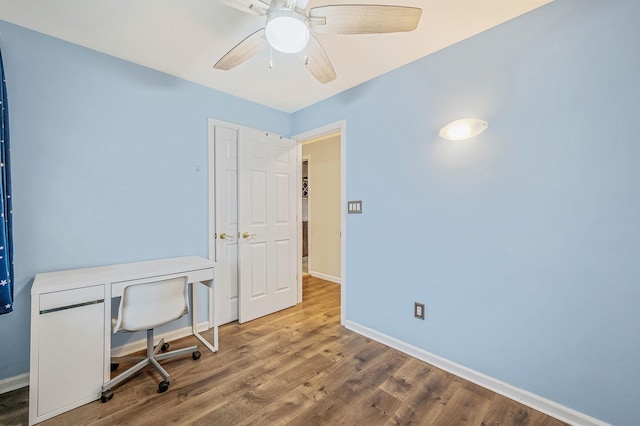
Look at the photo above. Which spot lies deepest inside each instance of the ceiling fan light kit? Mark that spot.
(290, 26)
(287, 31)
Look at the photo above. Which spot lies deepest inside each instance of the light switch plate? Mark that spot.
(418, 310)
(354, 207)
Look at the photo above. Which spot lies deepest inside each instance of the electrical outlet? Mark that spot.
(418, 310)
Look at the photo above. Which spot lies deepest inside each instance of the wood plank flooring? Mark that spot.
(296, 367)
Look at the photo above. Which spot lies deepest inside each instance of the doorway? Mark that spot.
(322, 207)
(333, 129)
(306, 201)
(316, 136)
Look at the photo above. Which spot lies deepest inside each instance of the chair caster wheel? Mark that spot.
(196, 355)
(114, 366)
(163, 386)
(106, 395)
(164, 347)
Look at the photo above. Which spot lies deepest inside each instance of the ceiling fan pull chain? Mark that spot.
(270, 57)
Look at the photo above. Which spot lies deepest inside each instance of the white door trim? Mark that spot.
(338, 126)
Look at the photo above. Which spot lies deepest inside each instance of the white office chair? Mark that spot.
(145, 306)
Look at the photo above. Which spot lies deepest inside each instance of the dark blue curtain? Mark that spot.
(6, 240)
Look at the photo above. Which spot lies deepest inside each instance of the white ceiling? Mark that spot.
(185, 38)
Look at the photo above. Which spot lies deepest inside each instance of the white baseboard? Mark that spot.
(141, 344)
(325, 277)
(522, 396)
(13, 383)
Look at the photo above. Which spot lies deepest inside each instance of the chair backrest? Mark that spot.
(151, 304)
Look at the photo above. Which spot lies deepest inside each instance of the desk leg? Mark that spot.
(194, 321)
(106, 369)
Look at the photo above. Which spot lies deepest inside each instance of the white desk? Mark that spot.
(71, 328)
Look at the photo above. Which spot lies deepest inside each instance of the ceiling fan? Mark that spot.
(290, 26)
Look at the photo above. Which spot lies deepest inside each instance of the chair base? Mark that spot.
(152, 358)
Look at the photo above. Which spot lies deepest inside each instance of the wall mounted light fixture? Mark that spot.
(464, 128)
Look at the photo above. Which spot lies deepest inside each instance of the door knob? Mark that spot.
(224, 236)
(247, 235)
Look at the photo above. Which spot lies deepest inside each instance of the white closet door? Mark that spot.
(267, 185)
(226, 212)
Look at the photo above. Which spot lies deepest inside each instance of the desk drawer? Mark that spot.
(68, 299)
(117, 288)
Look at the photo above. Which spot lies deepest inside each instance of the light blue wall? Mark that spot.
(109, 164)
(523, 243)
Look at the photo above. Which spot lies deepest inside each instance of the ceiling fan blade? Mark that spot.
(254, 7)
(363, 19)
(317, 61)
(243, 51)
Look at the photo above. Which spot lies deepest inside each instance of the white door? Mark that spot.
(226, 214)
(267, 207)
